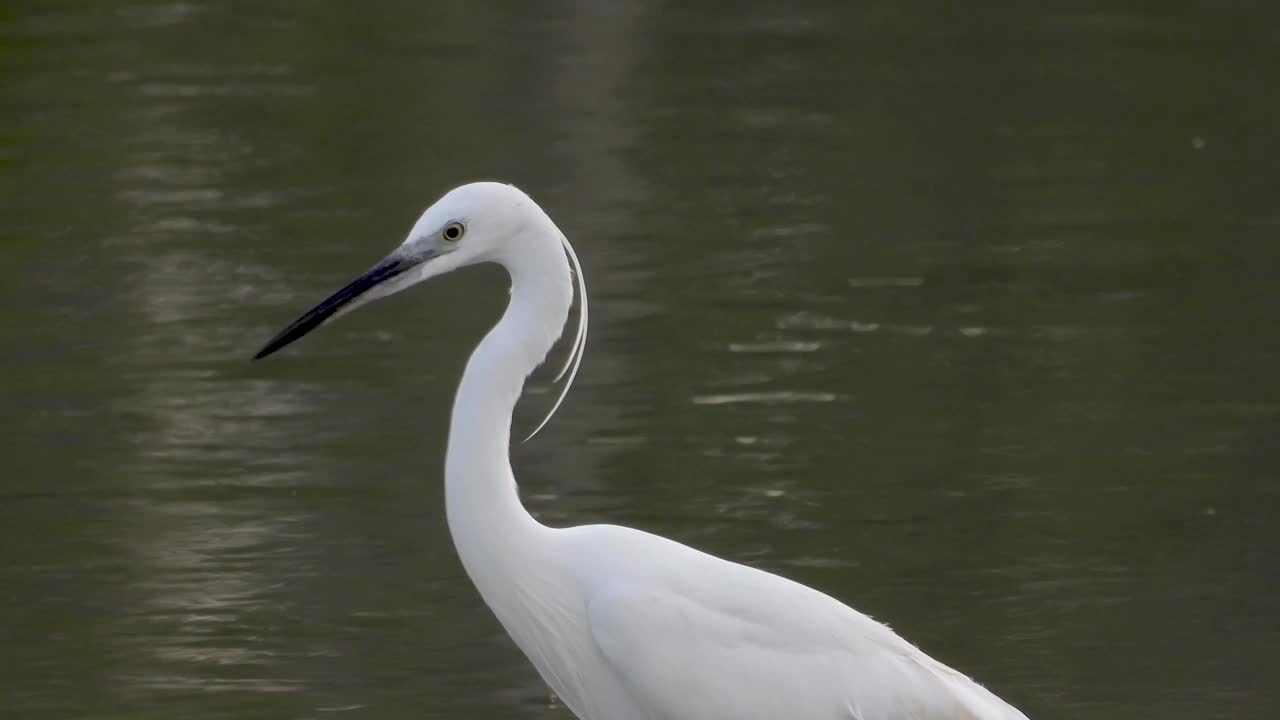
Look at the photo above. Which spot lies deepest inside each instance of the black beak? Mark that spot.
(316, 316)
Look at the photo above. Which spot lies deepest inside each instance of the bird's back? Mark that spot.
(679, 634)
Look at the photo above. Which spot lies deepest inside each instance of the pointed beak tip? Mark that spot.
(274, 345)
(270, 347)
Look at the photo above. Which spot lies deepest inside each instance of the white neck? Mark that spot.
(490, 527)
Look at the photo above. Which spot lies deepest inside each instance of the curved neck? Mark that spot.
(482, 503)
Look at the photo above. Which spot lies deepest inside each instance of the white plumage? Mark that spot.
(622, 624)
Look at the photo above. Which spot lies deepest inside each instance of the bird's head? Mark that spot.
(471, 224)
(479, 222)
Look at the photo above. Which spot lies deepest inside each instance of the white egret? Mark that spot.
(622, 624)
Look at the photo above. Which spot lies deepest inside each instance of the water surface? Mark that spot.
(967, 318)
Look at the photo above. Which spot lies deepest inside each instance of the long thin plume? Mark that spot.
(574, 360)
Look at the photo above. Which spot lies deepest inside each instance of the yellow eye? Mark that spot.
(453, 232)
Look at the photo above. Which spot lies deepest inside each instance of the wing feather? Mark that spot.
(750, 645)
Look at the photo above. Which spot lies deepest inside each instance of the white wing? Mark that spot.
(693, 637)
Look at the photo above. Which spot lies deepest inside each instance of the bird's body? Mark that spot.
(623, 624)
(628, 625)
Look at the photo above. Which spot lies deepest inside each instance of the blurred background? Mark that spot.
(964, 314)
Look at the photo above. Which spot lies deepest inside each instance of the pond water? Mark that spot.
(966, 317)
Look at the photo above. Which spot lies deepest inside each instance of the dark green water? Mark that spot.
(965, 316)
